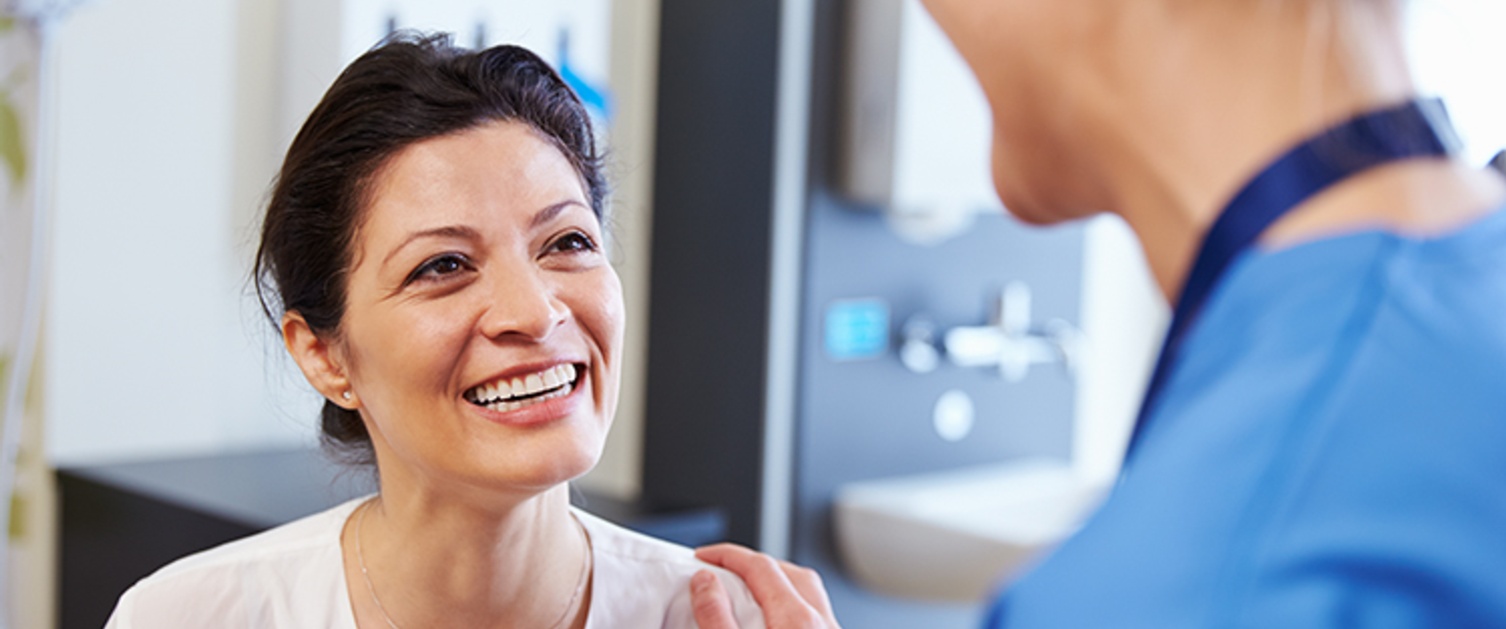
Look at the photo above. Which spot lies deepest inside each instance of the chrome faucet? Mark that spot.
(1012, 342)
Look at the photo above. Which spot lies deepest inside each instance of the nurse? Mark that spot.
(1324, 441)
(433, 255)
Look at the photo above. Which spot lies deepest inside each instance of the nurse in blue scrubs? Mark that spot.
(1323, 443)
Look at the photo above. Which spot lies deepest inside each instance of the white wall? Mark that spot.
(1124, 318)
(153, 347)
(634, 73)
(1458, 51)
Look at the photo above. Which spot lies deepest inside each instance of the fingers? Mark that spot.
(762, 574)
(790, 595)
(709, 601)
(808, 583)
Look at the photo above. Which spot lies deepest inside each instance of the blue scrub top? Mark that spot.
(1330, 451)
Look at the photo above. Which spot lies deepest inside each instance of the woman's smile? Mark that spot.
(532, 396)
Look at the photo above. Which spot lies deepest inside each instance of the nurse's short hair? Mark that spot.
(410, 87)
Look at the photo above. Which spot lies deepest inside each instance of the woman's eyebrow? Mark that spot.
(548, 213)
(448, 231)
(466, 233)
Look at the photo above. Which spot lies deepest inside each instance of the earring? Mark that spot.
(346, 395)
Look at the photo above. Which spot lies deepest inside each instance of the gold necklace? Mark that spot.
(580, 585)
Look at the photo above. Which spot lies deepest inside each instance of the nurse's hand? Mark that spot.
(791, 596)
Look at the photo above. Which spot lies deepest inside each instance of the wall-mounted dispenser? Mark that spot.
(914, 124)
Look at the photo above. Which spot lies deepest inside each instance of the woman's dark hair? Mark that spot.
(407, 89)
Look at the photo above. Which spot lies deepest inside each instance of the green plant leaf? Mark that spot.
(7, 23)
(12, 145)
(16, 528)
(5, 378)
(17, 517)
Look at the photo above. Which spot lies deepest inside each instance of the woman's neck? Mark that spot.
(1192, 108)
(436, 561)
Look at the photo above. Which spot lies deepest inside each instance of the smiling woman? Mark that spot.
(477, 267)
(432, 256)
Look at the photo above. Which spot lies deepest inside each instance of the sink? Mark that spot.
(957, 535)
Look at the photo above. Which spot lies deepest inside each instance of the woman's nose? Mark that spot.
(522, 304)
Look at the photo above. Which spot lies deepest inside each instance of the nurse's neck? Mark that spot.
(1197, 106)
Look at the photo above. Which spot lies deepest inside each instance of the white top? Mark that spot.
(294, 576)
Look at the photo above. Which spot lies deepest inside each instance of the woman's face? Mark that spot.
(483, 320)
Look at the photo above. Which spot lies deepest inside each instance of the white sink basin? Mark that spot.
(955, 536)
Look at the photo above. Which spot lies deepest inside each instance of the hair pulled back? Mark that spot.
(408, 88)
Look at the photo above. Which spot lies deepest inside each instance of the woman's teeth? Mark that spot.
(507, 395)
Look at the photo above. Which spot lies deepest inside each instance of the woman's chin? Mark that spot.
(541, 471)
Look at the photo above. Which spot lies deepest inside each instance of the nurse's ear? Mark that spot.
(320, 361)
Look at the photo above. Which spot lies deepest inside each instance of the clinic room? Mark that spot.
(752, 314)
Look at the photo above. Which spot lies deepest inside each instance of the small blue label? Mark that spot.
(857, 329)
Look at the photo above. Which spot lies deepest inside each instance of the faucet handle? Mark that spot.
(1014, 309)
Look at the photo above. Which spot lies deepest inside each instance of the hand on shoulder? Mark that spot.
(792, 597)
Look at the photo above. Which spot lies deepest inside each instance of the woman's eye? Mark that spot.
(439, 266)
(573, 242)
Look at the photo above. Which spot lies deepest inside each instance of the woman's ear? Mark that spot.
(317, 358)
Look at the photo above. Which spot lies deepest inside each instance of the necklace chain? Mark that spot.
(580, 585)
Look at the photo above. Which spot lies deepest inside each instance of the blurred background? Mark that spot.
(841, 350)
